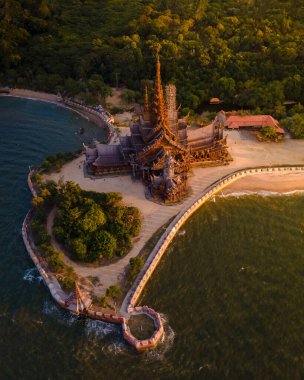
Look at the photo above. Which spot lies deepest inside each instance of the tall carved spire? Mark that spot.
(146, 99)
(80, 304)
(158, 108)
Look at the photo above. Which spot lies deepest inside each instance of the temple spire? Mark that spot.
(158, 108)
(146, 99)
(80, 299)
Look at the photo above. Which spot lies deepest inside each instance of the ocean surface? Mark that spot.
(230, 288)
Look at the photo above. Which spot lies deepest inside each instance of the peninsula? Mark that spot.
(158, 154)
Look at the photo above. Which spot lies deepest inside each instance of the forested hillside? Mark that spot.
(250, 52)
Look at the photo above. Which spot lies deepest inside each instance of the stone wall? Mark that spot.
(95, 116)
(60, 297)
(48, 278)
(30, 183)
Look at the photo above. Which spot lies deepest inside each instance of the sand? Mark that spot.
(270, 183)
(22, 93)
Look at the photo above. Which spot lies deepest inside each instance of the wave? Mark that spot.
(166, 343)
(32, 275)
(51, 309)
(98, 329)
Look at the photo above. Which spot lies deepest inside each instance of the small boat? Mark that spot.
(81, 131)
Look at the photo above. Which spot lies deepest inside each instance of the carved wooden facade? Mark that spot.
(160, 149)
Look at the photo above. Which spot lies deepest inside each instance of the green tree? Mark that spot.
(295, 125)
(79, 249)
(56, 262)
(102, 244)
(93, 217)
(113, 291)
(269, 132)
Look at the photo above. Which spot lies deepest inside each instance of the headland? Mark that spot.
(204, 184)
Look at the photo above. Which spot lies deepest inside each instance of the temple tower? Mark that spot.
(147, 108)
(158, 107)
(171, 108)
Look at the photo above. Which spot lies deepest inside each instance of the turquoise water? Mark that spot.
(230, 288)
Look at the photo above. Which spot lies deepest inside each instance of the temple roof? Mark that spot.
(261, 121)
(109, 155)
(200, 133)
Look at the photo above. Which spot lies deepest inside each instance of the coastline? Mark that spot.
(276, 183)
(34, 95)
(47, 98)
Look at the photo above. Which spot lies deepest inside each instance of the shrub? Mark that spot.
(136, 263)
(59, 233)
(37, 201)
(79, 249)
(269, 132)
(295, 125)
(46, 250)
(121, 251)
(69, 280)
(53, 163)
(37, 178)
(104, 301)
(56, 262)
(102, 243)
(113, 291)
(41, 214)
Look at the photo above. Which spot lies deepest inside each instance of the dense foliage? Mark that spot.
(295, 125)
(94, 225)
(56, 162)
(42, 240)
(245, 51)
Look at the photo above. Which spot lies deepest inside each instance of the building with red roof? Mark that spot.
(253, 121)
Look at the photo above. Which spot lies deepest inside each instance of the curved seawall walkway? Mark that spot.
(136, 289)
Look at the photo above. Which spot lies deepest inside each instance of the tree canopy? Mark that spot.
(245, 51)
(92, 225)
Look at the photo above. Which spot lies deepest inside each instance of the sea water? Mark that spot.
(229, 289)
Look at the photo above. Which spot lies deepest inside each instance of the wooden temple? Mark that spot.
(161, 148)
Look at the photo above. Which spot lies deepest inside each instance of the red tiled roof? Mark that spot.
(253, 121)
(214, 100)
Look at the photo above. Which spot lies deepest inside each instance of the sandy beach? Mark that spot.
(270, 183)
(43, 96)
